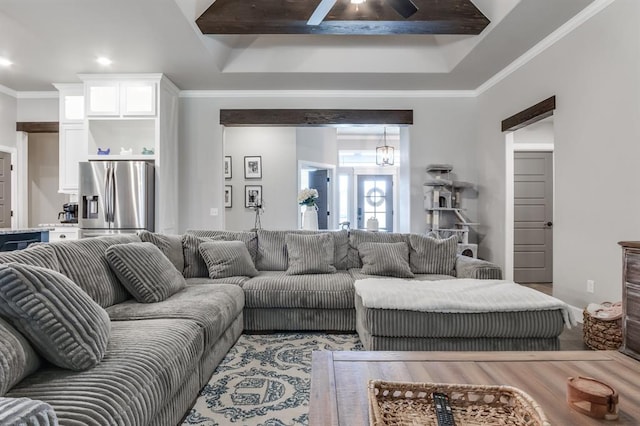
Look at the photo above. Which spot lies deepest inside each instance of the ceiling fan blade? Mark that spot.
(405, 8)
(321, 12)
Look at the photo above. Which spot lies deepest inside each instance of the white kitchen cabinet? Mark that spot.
(72, 136)
(72, 148)
(63, 233)
(120, 98)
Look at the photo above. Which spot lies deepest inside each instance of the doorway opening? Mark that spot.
(529, 203)
(321, 177)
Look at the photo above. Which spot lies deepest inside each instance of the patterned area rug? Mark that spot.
(265, 380)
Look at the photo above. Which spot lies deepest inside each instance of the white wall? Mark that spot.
(8, 105)
(44, 200)
(317, 144)
(277, 147)
(444, 131)
(593, 72)
(38, 109)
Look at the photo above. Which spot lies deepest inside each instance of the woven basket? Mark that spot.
(401, 403)
(601, 333)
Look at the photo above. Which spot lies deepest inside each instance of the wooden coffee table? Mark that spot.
(339, 379)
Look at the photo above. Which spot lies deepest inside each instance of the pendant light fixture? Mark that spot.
(385, 153)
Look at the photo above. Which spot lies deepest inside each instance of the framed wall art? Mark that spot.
(227, 167)
(252, 196)
(253, 167)
(228, 196)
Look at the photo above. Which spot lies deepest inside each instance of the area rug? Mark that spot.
(265, 380)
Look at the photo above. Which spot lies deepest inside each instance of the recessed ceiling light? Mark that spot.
(5, 62)
(103, 60)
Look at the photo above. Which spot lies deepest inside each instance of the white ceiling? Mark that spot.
(53, 41)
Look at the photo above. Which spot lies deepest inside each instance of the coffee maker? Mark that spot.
(69, 213)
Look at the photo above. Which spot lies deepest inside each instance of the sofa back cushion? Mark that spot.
(429, 255)
(356, 237)
(59, 319)
(145, 271)
(169, 245)
(17, 357)
(85, 263)
(272, 249)
(38, 255)
(250, 239)
(310, 254)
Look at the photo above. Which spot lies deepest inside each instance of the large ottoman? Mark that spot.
(457, 315)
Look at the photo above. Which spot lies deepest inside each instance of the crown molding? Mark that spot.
(573, 23)
(328, 94)
(7, 91)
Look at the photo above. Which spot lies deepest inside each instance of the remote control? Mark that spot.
(443, 409)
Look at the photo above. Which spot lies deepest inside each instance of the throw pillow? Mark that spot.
(55, 315)
(433, 255)
(144, 271)
(169, 245)
(389, 259)
(310, 254)
(17, 357)
(194, 265)
(227, 259)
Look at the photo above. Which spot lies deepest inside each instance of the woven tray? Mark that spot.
(401, 403)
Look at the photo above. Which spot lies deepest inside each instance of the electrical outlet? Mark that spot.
(591, 286)
(213, 211)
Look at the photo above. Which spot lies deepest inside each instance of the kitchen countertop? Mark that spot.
(58, 225)
(6, 231)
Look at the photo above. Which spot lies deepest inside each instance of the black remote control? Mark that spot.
(443, 409)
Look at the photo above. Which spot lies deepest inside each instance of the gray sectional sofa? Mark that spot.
(163, 349)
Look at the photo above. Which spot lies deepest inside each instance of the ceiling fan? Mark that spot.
(405, 8)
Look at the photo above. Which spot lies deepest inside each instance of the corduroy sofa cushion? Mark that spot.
(145, 271)
(55, 315)
(249, 238)
(169, 245)
(17, 357)
(429, 255)
(357, 236)
(26, 412)
(145, 365)
(84, 261)
(310, 254)
(227, 259)
(388, 259)
(37, 255)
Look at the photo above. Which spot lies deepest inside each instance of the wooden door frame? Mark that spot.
(528, 116)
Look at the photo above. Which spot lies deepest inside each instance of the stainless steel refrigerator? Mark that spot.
(115, 197)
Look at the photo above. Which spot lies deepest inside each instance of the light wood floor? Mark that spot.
(570, 340)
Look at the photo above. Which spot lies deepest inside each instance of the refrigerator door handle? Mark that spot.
(109, 193)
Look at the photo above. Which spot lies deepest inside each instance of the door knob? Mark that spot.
(549, 224)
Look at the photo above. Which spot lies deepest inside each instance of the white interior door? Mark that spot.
(533, 217)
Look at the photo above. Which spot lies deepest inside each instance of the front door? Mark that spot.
(533, 217)
(319, 179)
(5, 190)
(375, 199)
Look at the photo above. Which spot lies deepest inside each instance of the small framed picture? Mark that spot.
(253, 167)
(227, 167)
(252, 195)
(228, 194)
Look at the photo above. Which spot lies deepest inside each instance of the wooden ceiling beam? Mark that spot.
(38, 126)
(374, 17)
(314, 117)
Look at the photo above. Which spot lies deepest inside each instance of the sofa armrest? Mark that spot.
(25, 411)
(468, 267)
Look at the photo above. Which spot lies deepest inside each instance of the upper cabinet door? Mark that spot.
(138, 98)
(71, 103)
(103, 98)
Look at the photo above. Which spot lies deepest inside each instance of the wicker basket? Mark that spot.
(602, 333)
(401, 403)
